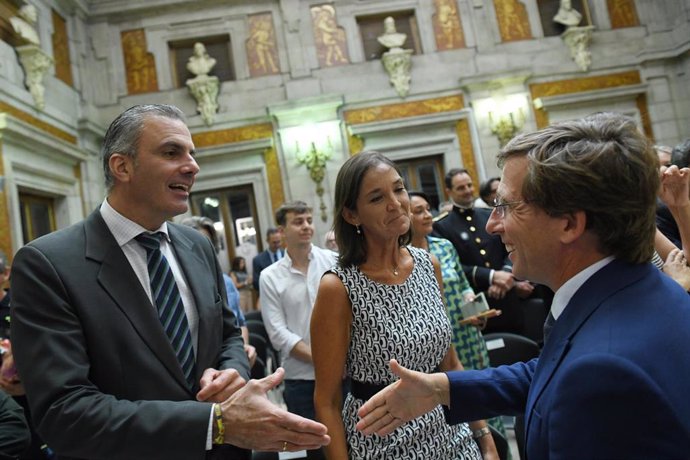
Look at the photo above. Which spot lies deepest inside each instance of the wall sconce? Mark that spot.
(315, 161)
(507, 125)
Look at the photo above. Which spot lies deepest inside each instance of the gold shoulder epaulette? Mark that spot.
(441, 216)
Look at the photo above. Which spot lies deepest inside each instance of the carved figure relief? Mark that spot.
(331, 46)
(447, 26)
(139, 63)
(513, 22)
(262, 52)
(622, 13)
(396, 61)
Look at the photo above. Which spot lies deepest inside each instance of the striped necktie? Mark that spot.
(168, 301)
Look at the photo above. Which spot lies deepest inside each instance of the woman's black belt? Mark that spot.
(365, 390)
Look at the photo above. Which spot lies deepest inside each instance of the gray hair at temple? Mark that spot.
(602, 165)
(124, 132)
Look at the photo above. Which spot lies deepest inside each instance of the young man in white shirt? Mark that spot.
(288, 290)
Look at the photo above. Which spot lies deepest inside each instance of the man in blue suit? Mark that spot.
(272, 254)
(576, 213)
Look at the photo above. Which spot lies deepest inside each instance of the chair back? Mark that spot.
(507, 348)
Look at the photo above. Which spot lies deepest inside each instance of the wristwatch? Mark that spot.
(480, 433)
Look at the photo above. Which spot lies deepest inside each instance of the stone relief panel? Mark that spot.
(331, 45)
(140, 66)
(447, 26)
(262, 50)
(622, 13)
(513, 23)
(63, 66)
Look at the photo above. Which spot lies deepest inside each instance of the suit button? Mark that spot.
(487, 264)
(469, 218)
(482, 252)
(473, 228)
(477, 240)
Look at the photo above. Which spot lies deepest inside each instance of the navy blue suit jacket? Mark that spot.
(260, 261)
(612, 379)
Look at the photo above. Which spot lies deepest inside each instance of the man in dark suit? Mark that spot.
(119, 325)
(273, 253)
(611, 381)
(484, 258)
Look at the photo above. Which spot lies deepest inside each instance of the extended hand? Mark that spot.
(254, 422)
(677, 268)
(413, 395)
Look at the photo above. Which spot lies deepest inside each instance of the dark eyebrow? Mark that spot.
(176, 146)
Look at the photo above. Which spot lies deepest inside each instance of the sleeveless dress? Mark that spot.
(407, 322)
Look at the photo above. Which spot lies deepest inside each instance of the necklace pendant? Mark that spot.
(395, 272)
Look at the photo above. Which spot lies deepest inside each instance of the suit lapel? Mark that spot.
(119, 280)
(604, 283)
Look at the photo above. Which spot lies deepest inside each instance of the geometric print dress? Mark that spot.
(407, 322)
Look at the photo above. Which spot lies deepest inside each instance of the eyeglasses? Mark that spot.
(501, 207)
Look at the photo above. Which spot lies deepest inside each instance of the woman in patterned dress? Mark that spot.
(382, 301)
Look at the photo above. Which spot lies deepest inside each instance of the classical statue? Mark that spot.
(204, 87)
(391, 39)
(396, 61)
(24, 24)
(567, 15)
(200, 63)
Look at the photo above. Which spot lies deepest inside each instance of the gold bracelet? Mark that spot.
(220, 426)
(480, 433)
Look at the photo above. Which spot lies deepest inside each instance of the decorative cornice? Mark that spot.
(232, 135)
(404, 109)
(40, 124)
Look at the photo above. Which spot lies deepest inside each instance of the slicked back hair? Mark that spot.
(124, 133)
(602, 165)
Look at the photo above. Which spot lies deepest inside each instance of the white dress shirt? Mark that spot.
(570, 287)
(287, 300)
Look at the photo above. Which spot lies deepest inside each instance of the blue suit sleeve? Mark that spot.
(476, 395)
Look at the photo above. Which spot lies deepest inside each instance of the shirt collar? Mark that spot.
(124, 229)
(566, 292)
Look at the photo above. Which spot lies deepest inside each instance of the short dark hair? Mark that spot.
(452, 173)
(419, 194)
(347, 188)
(680, 155)
(580, 165)
(124, 133)
(271, 231)
(485, 188)
(297, 207)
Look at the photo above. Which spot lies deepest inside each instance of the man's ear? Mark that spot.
(574, 226)
(121, 166)
(350, 216)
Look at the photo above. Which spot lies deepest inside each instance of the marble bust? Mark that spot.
(567, 15)
(24, 24)
(391, 38)
(200, 63)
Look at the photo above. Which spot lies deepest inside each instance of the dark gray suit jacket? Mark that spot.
(102, 378)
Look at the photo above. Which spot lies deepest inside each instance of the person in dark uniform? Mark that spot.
(484, 257)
